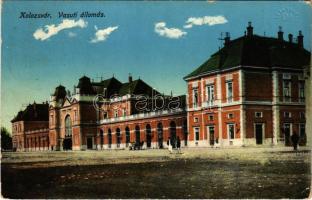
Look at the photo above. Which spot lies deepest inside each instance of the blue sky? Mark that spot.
(127, 41)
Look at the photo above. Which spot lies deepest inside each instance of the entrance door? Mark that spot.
(137, 135)
(211, 135)
(148, 136)
(89, 143)
(160, 135)
(173, 134)
(287, 134)
(259, 133)
(67, 143)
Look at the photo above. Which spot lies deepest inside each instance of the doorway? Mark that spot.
(148, 136)
(211, 132)
(67, 143)
(259, 133)
(173, 134)
(89, 143)
(287, 131)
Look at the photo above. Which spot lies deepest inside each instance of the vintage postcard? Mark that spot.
(156, 99)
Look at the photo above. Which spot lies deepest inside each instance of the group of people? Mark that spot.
(174, 144)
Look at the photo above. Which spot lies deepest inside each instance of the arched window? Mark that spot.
(173, 134)
(160, 135)
(127, 136)
(68, 126)
(101, 138)
(109, 138)
(137, 135)
(148, 136)
(118, 137)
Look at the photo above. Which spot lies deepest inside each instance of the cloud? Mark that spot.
(71, 34)
(50, 30)
(102, 34)
(172, 33)
(209, 20)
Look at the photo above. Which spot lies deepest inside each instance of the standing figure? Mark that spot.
(295, 140)
(169, 145)
(178, 144)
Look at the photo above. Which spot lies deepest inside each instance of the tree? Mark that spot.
(6, 139)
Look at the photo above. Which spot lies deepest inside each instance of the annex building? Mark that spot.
(250, 92)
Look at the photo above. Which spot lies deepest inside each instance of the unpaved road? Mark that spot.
(197, 173)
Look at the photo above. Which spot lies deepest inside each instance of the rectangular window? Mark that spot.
(115, 113)
(75, 115)
(302, 116)
(210, 95)
(195, 119)
(301, 92)
(51, 119)
(230, 116)
(287, 114)
(105, 115)
(258, 114)
(229, 91)
(195, 97)
(196, 131)
(211, 117)
(231, 131)
(302, 130)
(287, 90)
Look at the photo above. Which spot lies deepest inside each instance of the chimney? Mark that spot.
(227, 39)
(130, 78)
(249, 30)
(290, 38)
(280, 34)
(300, 39)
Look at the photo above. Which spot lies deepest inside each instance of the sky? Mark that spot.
(160, 42)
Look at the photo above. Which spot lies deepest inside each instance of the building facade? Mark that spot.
(112, 115)
(250, 92)
(30, 128)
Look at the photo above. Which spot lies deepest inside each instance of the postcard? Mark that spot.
(156, 99)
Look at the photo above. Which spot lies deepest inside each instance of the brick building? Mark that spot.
(249, 92)
(111, 115)
(30, 128)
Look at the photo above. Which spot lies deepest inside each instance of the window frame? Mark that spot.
(229, 98)
(228, 131)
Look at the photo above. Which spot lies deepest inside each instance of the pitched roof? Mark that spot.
(136, 87)
(33, 112)
(254, 51)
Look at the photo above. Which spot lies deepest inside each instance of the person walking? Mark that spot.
(178, 144)
(169, 145)
(295, 139)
